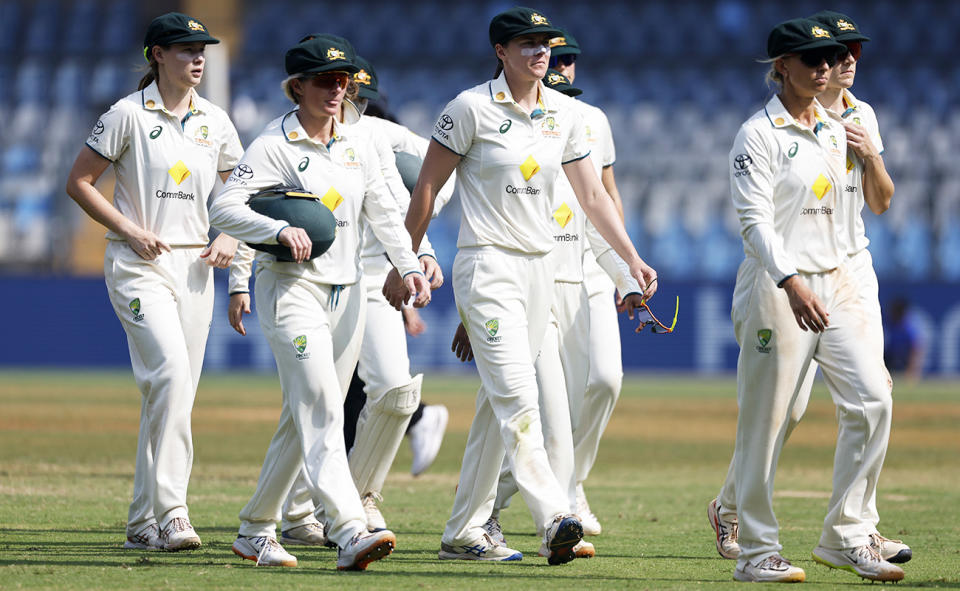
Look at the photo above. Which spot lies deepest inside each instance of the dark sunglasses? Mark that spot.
(815, 57)
(854, 48)
(566, 59)
(330, 80)
(646, 318)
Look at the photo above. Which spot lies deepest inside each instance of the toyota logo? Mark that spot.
(445, 123)
(244, 172)
(742, 161)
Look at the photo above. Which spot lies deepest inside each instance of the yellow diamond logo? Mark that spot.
(529, 168)
(179, 172)
(563, 215)
(849, 164)
(821, 186)
(331, 199)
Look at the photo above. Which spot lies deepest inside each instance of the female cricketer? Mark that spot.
(167, 145)
(867, 183)
(312, 311)
(796, 299)
(508, 139)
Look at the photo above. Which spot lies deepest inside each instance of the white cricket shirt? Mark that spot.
(859, 112)
(345, 173)
(786, 181)
(403, 140)
(509, 163)
(166, 168)
(573, 233)
(394, 182)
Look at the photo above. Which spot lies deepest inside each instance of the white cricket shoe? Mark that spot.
(725, 530)
(147, 538)
(426, 437)
(375, 519)
(560, 538)
(894, 551)
(492, 527)
(862, 560)
(584, 549)
(309, 534)
(179, 535)
(485, 549)
(772, 569)
(263, 550)
(364, 548)
(589, 521)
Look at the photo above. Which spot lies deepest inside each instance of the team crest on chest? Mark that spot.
(350, 159)
(549, 127)
(200, 136)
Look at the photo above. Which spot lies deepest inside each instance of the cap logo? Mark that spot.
(194, 26)
(553, 79)
(558, 42)
(845, 26)
(538, 19)
(820, 32)
(335, 54)
(362, 77)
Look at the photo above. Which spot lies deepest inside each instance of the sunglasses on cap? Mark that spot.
(815, 57)
(329, 80)
(854, 48)
(566, 59)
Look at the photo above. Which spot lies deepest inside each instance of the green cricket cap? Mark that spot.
(175, 27)
(321, 53)
(560, 83)
(564, 44)
(517, 21)
(799, 35)
(840, 25)
(366, 79)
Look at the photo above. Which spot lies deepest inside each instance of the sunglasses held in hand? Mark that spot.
(646, 318)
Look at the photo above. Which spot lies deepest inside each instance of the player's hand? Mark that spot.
(298, 241)
(630, 303)
(239, 305)
(646, 277)
(413, 322)
(859, 141)
(418, 287)
(394, 290)
(431, 270)
(145, 243)
(220, 252)
(807, 307)
(461, 344)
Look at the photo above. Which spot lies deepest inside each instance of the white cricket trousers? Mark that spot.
(314, 332)
(861, 266)
(561, 368)
(771, 371)
(605, 375)
(383, 366)
(165, 307)
(504, 299)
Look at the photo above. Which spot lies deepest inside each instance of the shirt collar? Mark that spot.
(850, 103)
(293, 131)
(500, 93)
(779, 116)
(152, 101)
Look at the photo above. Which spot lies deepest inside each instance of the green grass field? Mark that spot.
(67, 443)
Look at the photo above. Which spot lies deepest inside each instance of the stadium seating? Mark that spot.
(675, 78)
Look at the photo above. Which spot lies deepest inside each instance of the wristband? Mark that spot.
(784, 280)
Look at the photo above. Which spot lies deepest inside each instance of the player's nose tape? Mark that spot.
(531, 51)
